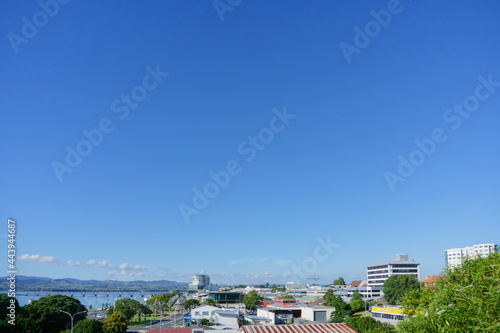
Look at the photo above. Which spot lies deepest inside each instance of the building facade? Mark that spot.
(389, 314)
(379, 272)
(455, 257)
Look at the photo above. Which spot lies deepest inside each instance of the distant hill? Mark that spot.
(35, 283)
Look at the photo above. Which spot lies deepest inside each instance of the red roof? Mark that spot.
(308, 328)
(356, 283)
(432, 279)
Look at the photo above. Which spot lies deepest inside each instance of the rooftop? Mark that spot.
(400, 259)
(308, 328)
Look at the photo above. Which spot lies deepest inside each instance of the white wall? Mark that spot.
(266, 314)
(228, 321)
(197, 313)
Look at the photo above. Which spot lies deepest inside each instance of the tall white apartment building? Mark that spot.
(378, 272)
(455, 257)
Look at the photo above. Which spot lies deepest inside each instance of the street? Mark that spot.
(167, 322)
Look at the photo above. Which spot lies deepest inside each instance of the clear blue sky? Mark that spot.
(321, 174)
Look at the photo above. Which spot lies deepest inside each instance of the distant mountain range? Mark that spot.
(35, 283)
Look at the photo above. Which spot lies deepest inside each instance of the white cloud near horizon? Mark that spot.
(38, 259)
(123, 267)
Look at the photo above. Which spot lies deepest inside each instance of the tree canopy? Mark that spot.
(467, 298)
(369, 325)
(397, 286)
(127, 306)
(160, 302)
(116, 323)
(44, 314)
(287, 297)
(252, 300)
(209, 301)
(339, 282)
(5, 307)
(328, 295)
(89, 326)
(342, 309)
(357, 303)
(191, 304)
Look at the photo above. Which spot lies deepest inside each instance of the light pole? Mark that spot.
(72, 316)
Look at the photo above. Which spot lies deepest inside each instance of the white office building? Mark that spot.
(378, 272)
(455, 257)
(202, 282)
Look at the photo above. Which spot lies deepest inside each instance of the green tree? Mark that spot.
(369, 325)
(143, 310)
(8, 304)
(339, 282)
(191, 304)
(44, 315)
(328, 295)
(209, 301)
(252, 300)
(466, 299)
(342, 309)
(116, 323)
(206, 322)
(159, 302)
(127, 306)
(357, 303)
(287, 297)
(89, 326)
(397, 286)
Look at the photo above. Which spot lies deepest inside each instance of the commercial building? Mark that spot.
(228, 319)
(455, 257)
(203, 312)
(223, 297)
(202, 282)
(389, 314)
(199, 282)
(284, 314)
(379, 272)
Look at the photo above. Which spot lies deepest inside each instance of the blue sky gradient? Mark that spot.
(323, 174)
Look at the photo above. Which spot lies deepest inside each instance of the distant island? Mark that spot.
(34, 283)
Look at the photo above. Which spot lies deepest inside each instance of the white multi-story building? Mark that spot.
(378, 272)
(202, 282)
(455, 257)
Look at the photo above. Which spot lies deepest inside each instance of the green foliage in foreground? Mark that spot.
(397, 286)
(89, 326)
(369, 325)
(115, 323)
(342, 309)
(467, 299)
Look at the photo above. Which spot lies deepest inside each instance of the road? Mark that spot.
(166, 322)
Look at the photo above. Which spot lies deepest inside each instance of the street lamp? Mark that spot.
(72, 316)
